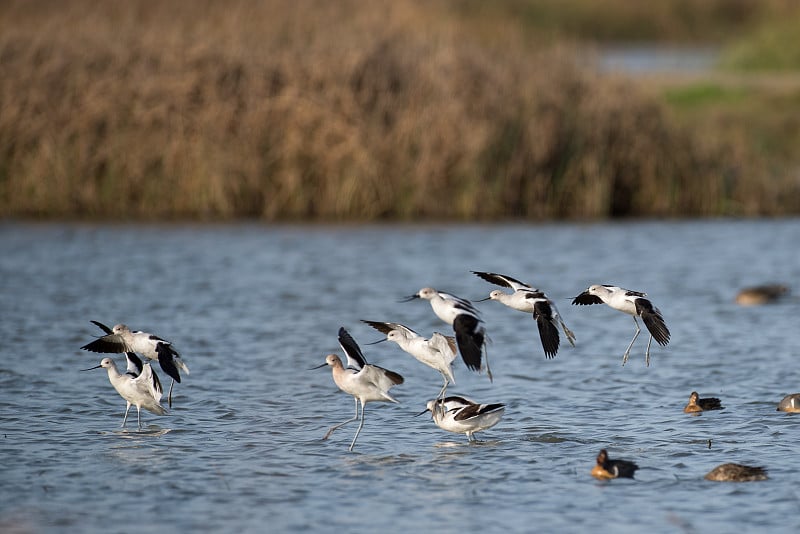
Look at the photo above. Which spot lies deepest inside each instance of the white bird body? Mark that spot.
(463, 416)
(443, 306)
(635, 304)
(143, 391)
(365, 382)
(368, 384)
(528, 299)
(620, 299)
(438, 352)
(517, 300)
(466, 322)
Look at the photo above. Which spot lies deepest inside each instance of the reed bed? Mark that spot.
(165, 110)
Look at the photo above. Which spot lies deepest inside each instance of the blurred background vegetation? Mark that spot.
(395, 110)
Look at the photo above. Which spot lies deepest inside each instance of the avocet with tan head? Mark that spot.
(365, 382)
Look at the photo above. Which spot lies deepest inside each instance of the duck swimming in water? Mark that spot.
(607, 468)
(736, 473)
(759, 295)
(696, 404)
(790, 403)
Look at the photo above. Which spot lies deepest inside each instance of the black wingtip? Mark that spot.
(102, 327)
(166, 358)
(470, 340)
(350, 346)
(548, 331)
(586, 298)
(653, 320)
(380, 326)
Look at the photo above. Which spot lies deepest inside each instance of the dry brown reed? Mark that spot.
(294, 110)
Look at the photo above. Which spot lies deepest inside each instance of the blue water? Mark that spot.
(251, 308)
(641, 59)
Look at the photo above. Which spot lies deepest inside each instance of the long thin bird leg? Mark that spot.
(628, 350)
(488, 369)
(125, 419)
(334, 427)
(360, 426)
(444, 388)
(169, 395)
(567, 332)
(647, 354)
(138, 418)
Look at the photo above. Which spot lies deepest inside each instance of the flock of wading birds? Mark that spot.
(140, 385)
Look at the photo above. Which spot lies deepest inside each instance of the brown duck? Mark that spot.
(607, 468)
(736, 473)
(696, 404)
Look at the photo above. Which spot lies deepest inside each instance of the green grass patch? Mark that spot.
(704, 94)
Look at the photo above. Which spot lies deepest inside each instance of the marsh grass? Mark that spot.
(774, 46)
(162, 110)
(683, 21)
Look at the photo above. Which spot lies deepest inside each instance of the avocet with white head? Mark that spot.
(634, 304)
(463, 416)
(437, 352)
(529, 299)
(143, 390)
(122, 339)
(465, 320)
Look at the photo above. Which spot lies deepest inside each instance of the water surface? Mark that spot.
(251, 308)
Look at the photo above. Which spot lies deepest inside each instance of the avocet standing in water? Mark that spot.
(143, 390)
(634, 304)
(465, 320)
(463, 416)
(531, 300)
(122, 339)
(437, 352)
(365, 382)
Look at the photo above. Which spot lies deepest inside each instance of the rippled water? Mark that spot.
(252, 308)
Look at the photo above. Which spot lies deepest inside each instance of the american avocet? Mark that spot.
(465, 320)
(365, 382)
(758, 295)
(122, 339)
(437, 352)
(634, 304)
(696, 404)
(790, 403)
(463, 416)
(531, 300)
(143, 390)
(736, 473)
(606, 468)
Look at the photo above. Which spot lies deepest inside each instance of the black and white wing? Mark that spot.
(503, 280)
(355, 358)
(108, 344)
(548, 331)
(653, 320)
(385, 327)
